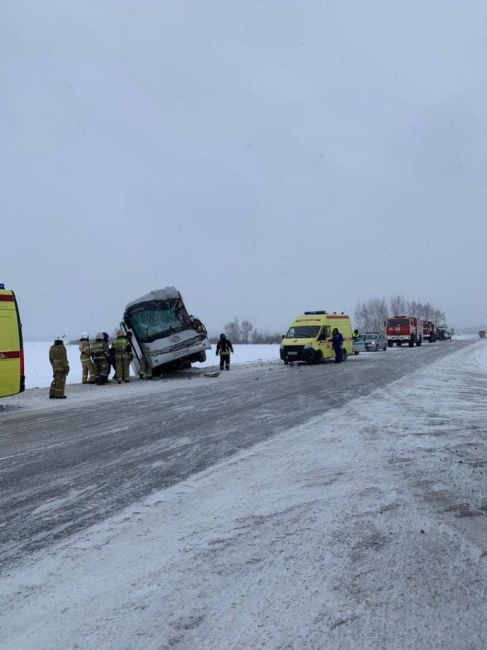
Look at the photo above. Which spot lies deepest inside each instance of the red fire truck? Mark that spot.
(404, 329)
(430, 332)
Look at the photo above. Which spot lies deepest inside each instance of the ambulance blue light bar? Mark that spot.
(2, 286)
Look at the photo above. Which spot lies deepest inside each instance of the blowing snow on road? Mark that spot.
(271, 507)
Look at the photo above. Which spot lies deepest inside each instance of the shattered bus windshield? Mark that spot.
(157, 319)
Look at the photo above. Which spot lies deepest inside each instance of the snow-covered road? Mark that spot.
(67, 465)
(364, 527)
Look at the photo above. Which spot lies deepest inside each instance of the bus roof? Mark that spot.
(168, 293)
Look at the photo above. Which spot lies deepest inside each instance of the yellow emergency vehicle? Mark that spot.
(309, 337)
(12, 378)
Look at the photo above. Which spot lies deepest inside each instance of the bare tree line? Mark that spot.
(371, 314)
(245, 332)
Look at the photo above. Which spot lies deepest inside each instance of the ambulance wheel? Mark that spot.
(318, 357)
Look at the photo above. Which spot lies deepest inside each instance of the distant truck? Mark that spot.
(163, 334)
(444, 334)
(430, 332)
(309, 337)
(404, 329)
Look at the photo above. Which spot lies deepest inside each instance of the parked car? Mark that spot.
(375, 341)
(359, 345)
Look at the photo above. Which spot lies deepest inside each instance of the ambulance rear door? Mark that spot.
(12, 380)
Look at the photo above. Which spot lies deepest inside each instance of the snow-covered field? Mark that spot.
(39, 373)
(362, 529)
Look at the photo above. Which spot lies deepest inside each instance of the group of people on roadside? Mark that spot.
(97, 358)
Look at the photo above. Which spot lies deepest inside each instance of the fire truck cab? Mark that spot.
(430, 332)
(404, 329)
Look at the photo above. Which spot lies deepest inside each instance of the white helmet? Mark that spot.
(84, 336)
(59, 337)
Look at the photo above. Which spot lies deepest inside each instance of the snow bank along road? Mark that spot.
(66, 465)
(365, 527)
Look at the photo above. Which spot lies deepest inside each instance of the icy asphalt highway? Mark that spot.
(66, 465)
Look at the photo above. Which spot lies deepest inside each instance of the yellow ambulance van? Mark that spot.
(12, 378)
(309, 337)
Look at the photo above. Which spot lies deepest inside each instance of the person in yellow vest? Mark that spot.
(122, 354)
(99, 356)
(58, 357)
(88, 376)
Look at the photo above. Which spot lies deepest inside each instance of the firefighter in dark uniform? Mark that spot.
(110, 355)
(58, 358)
(122, 354)
(337, 344)
(100, 358)
(224, 348)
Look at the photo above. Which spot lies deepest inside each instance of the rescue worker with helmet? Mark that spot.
(88, 375)
(337, 344)
(58, 357)
(110, 355)
(122, 354)
(100, 358)
(223, 348)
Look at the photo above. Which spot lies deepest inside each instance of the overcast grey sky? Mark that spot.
(264, 157)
